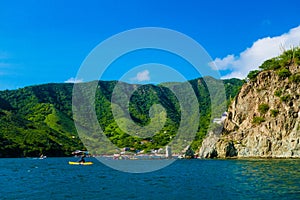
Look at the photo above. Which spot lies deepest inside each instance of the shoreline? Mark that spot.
(155, 157)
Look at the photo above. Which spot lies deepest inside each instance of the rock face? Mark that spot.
(263, 120)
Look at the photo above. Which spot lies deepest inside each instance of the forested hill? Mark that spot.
(38, 119)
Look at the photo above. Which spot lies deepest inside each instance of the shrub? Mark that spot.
(296, 57)
(274, 113)
(278, 93)
(295, 78)
(285, 98)
(286, 58)
(263, 108)
(271, 64)
(258, 120)
(284, 73)
(253, 74)
(289, 57)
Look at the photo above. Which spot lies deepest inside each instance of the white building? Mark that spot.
(220, 120)
(168, 152)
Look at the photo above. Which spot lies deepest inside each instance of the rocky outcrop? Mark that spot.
(208, 147)
(263, 120)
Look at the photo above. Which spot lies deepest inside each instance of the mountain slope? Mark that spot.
(38, 119)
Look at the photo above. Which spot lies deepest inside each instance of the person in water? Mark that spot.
(82, 160)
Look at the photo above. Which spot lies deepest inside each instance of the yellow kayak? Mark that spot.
(78, 163)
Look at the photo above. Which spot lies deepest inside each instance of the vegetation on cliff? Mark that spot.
(264, 118)
(280, 65)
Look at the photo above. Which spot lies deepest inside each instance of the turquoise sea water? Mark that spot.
(53, 178)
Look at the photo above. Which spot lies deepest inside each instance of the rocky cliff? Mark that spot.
(263, 120)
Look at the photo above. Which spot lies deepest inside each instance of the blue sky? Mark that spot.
(47, 41)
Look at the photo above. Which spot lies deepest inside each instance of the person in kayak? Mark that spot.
(82, 160)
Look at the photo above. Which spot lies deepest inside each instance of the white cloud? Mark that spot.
(223, 64)
(234, 75)
(142, 76)
(74, 80)
(253, 57)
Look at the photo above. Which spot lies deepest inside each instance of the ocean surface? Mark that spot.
(54, 178)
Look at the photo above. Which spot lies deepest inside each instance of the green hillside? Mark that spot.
(38, 119)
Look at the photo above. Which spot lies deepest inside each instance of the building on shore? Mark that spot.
(168, 152)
